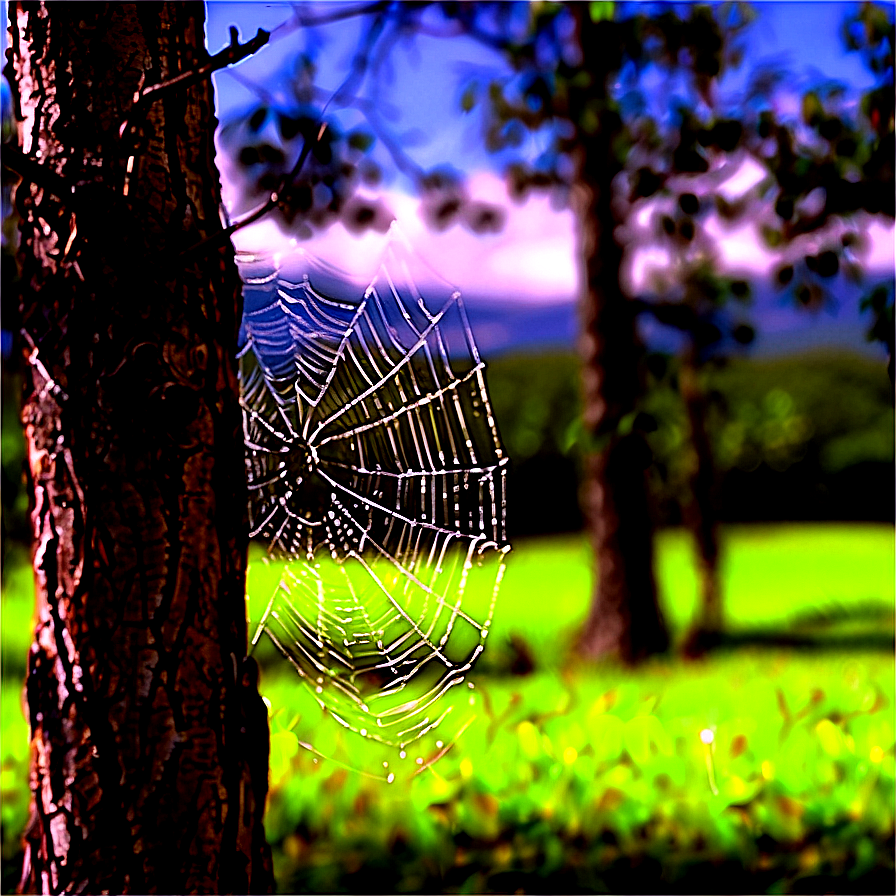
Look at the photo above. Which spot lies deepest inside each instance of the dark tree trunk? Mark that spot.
(700, 514)
(149, 739)
(624, 619)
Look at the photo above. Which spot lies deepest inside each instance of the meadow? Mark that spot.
(767, 766)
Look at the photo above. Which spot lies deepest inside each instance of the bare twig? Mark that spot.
(228, 56)
(300, 20)
(368, 108)
(361, 60)
(220, 238)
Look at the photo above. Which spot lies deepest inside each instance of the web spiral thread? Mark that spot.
(375, 467)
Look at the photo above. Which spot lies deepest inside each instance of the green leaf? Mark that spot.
(772, 237)
(812, 109)
(530, 741)
(284, 746)
(360, 140)
(606, 733)
(641, 734)
(468, 98)
(601, 10)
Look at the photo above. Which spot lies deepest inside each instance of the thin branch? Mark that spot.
(262, 93)
(236, 52)
(370, 111)
(228, 56)
(220, 238)
(361, 60)
(300, 20)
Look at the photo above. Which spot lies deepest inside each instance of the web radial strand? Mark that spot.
(375, 469)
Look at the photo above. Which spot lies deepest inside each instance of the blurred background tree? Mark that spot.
(598, 130)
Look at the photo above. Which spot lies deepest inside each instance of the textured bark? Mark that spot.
(149, 740)
(624, 619)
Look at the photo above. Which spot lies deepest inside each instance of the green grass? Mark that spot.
(773, 577)
(596, 779)
(566, 782)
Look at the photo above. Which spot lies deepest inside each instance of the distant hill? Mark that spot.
(782, 328)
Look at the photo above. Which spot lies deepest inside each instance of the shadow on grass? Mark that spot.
(834, 628)
(702, 642)
(883, 641)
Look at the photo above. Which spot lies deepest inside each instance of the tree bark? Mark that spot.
(624, 619)
(700, 513)
(148, 737)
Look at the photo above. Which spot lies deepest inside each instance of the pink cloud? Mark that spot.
(532, 260)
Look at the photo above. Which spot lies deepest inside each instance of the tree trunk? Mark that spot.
(624, 619)
(149, 739)
(700, 514)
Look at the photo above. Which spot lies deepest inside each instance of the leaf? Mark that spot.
(284, 746)
(530, 741)
(360, 140)
(289, 126)
(611, 799)
(784, 275)
(257, 119)
(812, 109)
(689, 203)
(481, 217)
(606, 736)
(782, 704)
(831, 737)
(791, 807)
(644, 735)
(772, 236)
(601, 10)
(827, 264)
(468, 97)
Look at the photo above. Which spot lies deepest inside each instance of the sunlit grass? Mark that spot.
(574, 777)
(572, 767)
(780, 763)
(772, 576)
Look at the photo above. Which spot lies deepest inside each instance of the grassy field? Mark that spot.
(584, 779)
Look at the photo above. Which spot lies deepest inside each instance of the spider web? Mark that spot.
(375, 468)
